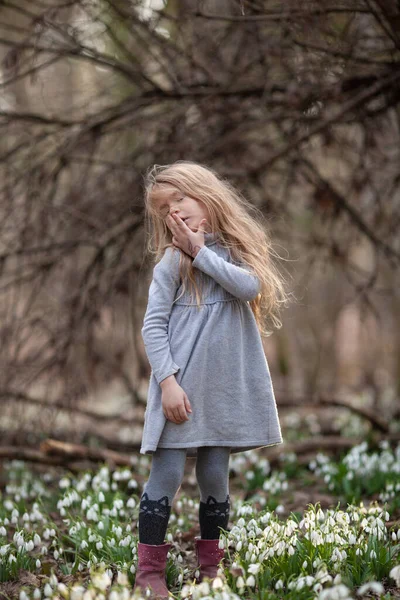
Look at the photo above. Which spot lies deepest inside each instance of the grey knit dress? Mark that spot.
(215, 352)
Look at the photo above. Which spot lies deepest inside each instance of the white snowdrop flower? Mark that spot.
(36, 539)
(131, 503)
(358, 551)
(112, 542)
(101, 580)
(101, 497)
(250, 581)
(394, 536)
(254, 568)
(100, 525)
(304, 565)
(279, 584)
(122, 578)
(113, 595)
(29, 546)
(337, 579)
(240, 582)
(37, 594)
(217, 584)
(239, 546)
(62, 588)
(291, 550)
(38, 564)
(395, 574)
(181, 522)
(132, 569)
(12, 559)
(99, 545)
(372, 554)
(48, 590)
(3, 531)
(23, 595)
(56, 554)
(180, 559)
(25, 517)
(43, 550)
(371, 586)
(221, 544)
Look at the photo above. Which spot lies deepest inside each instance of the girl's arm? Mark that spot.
(238, 281)
(154, 332)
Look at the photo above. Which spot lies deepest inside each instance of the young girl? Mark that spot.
(210, 390)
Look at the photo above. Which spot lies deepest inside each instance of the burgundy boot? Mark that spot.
(152, 561)
(208, 557)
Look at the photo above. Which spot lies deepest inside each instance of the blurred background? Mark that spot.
(297, 104)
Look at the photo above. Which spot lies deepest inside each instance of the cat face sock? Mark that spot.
(212, 516)
(153, 520)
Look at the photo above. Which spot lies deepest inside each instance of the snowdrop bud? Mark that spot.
(372, 554)
(99, 545)
(240, 582)
(304, 565)
(23, 595)
(279, 584)
(48, 590)
(337, 579)
(3, 531)
(221, 544)
(38, 564)
(37, 594)
(180, 577)
(56, 554)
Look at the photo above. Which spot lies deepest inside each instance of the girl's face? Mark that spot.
(192, 211)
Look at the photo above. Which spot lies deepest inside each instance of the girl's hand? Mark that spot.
(185, 238)
(175, 403)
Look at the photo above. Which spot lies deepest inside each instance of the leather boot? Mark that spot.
(152, 561)
(209, 555)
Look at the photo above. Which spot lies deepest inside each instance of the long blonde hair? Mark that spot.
(240, 226)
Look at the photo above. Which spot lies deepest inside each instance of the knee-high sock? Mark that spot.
(166, 476)
(212, 471)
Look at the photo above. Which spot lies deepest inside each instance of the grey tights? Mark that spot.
(167, 470)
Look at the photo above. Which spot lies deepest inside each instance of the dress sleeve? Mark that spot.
(163, 287)
(237, 280)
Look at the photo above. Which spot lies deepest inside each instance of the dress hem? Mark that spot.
(234, 445)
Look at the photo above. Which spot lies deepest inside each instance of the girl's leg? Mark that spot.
(212, 472)
(166, 474)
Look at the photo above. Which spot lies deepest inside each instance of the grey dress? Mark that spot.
(216, 354)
